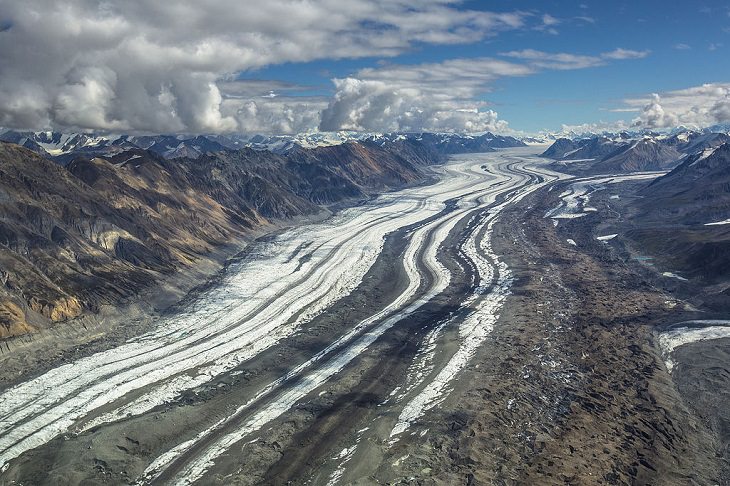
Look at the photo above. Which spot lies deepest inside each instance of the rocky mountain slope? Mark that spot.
(627, 152)
(452, 143)
(681, 220)
(54, 143)
(691, 142)
(591, 148)
(696, 192)
(98, 231)
(64, 147)
(639, 156)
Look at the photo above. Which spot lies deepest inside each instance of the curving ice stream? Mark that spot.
(269, 296)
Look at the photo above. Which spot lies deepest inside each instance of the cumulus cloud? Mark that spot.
(373, 105)
(699, 106)
(432, 97)
(572, 131)
(439, 96)
(654, 115)
(275, 114)
(151, 66)
(176, 67)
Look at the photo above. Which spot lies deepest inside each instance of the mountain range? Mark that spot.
(682, 221)
(681, 218)
(625, 152)
(89, 221)
(98, 230)
(65, 147)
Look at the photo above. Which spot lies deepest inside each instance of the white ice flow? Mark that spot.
(690, 332)
(251, 310)
(718, 223)
(265, 298)
(476, 327)
(575, 199)
(427, 239)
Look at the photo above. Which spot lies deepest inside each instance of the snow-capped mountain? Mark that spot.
(536, 140)
(691, 141)
(54, 143)
(588, 148)
(64, 147)
(285, 143)
(627, 152)
(451, 143)
(447, 143)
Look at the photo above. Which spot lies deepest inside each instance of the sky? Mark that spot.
(291, 66)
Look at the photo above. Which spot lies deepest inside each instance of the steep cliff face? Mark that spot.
(560, 148)
(366, 167)
(642, 155)
(695, 192)
(592, 148)
(451, 143)
(99, 230)
(73, 240)
(683, 217)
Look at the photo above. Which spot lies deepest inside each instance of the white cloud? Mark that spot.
(566, 61)
(374, 105)
(590, 128)
(682, 47)
(548, 20)
(145, 65)
(278, 114)
(168, 67)
(431, 97)
(560, 60)
(699, 106)
(654, 116)
(436, 96)
(549, 24)
(621, 54)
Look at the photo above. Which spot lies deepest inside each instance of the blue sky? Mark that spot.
(688, 42)
(290, 66)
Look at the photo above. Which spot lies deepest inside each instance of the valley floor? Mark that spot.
(447, 334)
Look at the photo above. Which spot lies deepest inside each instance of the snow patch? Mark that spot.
(674, 275)
(717, 223)
(575, 199)
(679, 336)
